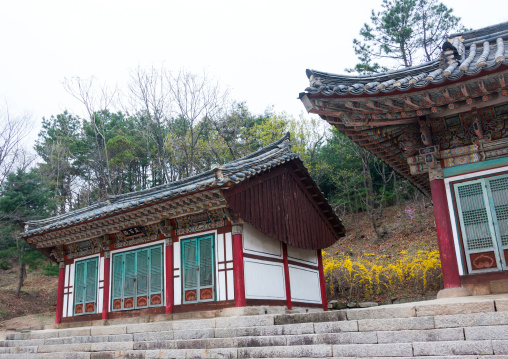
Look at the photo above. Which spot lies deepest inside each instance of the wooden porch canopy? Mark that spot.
(387, 113)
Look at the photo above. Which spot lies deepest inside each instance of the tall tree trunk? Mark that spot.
(369, 193)
(21, 274)
(397, 192)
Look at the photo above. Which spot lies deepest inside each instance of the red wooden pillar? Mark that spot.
(449, 265)
(238, 272)
(105, 286)
(60, 293)
(286, 275)
(170, 282)
(322, 280)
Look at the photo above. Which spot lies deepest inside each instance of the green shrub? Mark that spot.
(50, 270)
(5, 264)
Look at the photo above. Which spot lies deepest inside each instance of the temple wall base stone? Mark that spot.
(453, 292)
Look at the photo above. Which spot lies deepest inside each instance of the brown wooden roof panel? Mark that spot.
(286, 204)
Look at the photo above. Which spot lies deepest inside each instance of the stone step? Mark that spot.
(446, 306)
(381, 338)
(223, 326)
(356, 344)
(475, 326)
(296, 352)
(133, 355)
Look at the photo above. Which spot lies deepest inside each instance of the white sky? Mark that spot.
(259, 49)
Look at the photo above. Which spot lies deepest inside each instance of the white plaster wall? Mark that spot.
(264, 280)
(302, 255)
(100, 292)
(65, 297)
(224, 270)
(68, 293)
(231, 284)
(71, 284)
(453, 218)
(221, 274)
(255, 242)
(304, 284)
(177, 272)
(229, 247)
(221, 286)
(220, 248)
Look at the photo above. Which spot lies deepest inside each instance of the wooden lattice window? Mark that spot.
(137, 279)
(483, 216)
(198, 269)
(85, 288)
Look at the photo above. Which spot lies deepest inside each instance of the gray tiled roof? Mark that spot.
(481, 50)
(236, 171)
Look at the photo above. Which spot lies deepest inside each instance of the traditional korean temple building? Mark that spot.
(442, 125)
(246, 233)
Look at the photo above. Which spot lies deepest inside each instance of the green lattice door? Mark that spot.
(85, 287)
(137, 279)
(498, 197)
(483, 216)
(198, 280)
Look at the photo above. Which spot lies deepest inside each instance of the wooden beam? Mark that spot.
(463, 88)
(402, 121)
(391, 104)
(501, 80)
(374, 105)
(355, 106)
(408, 101)
(477, 102)
(446, 94)
(482, 87)
(426, 98)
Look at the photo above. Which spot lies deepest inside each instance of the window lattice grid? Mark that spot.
(504, 240)
(475, 216)
(479, 243)
(499, 191)
(470, 190)
(501, 212)
(500, 184)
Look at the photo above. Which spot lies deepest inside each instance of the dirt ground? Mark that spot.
(35, 306)
(32, 321)
(410, 227)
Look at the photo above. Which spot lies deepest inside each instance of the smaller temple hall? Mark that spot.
(246, 233)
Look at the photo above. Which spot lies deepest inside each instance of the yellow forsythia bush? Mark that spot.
(375, 277)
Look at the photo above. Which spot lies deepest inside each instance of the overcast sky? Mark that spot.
(259, 49)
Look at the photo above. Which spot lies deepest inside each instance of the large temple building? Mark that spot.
(247, 233)
(442, 125)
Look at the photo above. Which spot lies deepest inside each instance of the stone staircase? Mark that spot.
(472, 327)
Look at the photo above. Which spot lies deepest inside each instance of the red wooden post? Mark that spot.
(170, 281)
(105, 286)
(60, 293)
(322, 280)
(238, 272)
(444, 234)
(286, 275)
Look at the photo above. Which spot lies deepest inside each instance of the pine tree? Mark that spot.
(403, 33)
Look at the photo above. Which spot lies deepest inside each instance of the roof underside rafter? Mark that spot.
(379, 112)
